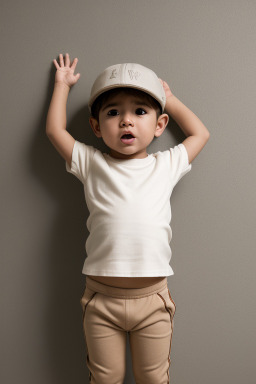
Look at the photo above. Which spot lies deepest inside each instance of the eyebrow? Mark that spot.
(110, 105)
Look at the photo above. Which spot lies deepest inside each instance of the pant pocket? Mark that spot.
(172, 303)
(167, 300)
(87, 297)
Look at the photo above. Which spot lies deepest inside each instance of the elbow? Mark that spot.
(47, 133)
(47, 129)
(207, 136)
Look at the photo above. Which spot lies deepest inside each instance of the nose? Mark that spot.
(126, 120)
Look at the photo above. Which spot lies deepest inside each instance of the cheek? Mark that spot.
(109, 131)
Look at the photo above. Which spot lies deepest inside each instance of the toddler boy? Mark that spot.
(127, 192)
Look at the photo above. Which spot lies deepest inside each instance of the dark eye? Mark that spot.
(112, 112)
(140, 111)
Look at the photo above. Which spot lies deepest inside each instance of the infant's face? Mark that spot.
(127, 113)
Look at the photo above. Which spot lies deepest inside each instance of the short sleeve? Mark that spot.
(179, 163)
(82, 156)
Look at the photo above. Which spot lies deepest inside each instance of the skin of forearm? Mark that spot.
(56, 117)
(190, 124)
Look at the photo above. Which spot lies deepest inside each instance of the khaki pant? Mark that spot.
(146, 314)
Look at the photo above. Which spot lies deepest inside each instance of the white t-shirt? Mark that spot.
(130, 210)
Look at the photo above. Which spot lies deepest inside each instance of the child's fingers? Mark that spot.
(56, 64)
(165, 85)
(67, 61)
(61, 60)
(73, 66)
(77, 76)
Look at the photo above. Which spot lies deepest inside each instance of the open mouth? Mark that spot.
(127, 138)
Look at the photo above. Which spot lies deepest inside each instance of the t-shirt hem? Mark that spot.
(127, 274)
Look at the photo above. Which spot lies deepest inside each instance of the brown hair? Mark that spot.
(104, 97)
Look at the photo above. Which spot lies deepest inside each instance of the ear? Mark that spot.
(161, 124)
(95, 126)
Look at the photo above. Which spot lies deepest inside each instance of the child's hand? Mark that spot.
(166, 87)
(65, 73)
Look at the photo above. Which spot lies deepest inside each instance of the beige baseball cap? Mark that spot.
(129, 75)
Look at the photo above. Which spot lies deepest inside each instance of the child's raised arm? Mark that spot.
(56, 117)
(196, 132)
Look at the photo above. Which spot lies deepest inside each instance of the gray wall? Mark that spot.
(206, 51)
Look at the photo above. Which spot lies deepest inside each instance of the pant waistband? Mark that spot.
(125, 292)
